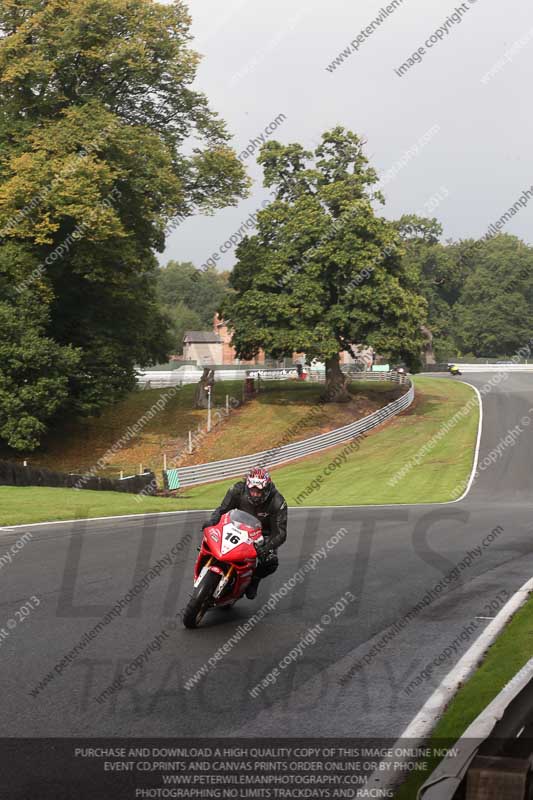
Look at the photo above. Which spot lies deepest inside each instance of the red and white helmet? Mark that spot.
(258, 483)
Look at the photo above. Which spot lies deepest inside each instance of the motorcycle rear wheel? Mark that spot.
(201, 600)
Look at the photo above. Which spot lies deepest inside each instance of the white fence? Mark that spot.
(281, 453)
(184, 375)
(177, 377)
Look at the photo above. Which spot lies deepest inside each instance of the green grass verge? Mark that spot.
(27, 504)
(502, 661)
(362, 479)
(289, 408)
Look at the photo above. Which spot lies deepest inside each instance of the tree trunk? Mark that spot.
(205, 384)
(336, 382)
(428, 356)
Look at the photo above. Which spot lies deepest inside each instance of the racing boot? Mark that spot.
(251, 591)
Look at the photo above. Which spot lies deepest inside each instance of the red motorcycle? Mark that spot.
(225, 564)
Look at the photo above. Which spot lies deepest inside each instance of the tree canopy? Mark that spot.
(494, 312)
(441, 274)
(34, 369)
(479, 292)
(102, 142)
(190, 297)
(324, 271)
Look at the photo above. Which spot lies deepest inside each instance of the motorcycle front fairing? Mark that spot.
(228, 550)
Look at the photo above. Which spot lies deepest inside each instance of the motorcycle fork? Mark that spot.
(203, 571)
(223, 583)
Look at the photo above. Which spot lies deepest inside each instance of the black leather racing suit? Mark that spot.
(272, 513)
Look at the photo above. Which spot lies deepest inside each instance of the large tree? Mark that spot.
(324, 271)
(102, 142)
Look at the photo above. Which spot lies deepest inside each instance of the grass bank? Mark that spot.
(287, 412)
(364, 477)
(249, 427)
(369, 472)
(81, 442)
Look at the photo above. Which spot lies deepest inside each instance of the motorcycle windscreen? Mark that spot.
(243, 518)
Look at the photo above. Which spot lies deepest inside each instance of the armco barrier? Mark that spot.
(494, 367)
(17, 475)
(232, 467)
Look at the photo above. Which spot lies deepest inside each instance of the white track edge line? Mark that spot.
(478, 443)
(425, 720)
(422, 724)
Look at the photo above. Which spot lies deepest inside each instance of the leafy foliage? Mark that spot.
(323, 270)
(441, 273)
(35, 371)
(479, 292)
(189, 297)
(494, 313)
(102, 142)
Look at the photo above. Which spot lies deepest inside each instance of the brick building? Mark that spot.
(220, 328)
(214, 347)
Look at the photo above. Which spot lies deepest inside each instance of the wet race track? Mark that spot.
(415, 579)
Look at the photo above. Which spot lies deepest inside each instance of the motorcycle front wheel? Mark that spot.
(201, 600)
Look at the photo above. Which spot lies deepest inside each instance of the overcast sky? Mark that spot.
(263, 58)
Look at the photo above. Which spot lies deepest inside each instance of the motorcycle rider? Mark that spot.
(257, 495)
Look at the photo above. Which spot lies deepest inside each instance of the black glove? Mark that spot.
(262, 550)
(206, 524)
